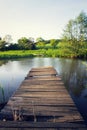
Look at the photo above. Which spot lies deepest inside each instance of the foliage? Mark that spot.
(5, 42)
(2, 45)
(54, 43)
(40, 39)
(76, 30)
(75, 37)
(82, 26)
(25, 44)
(29, 53)
(47, 44)
(13, 47)
(40, 45)
(43, 53)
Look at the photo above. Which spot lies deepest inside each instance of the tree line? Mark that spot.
(27, 43)
(22, 44)
(73, 42)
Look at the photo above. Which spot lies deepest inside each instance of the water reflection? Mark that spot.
(74, 76)
(11, 75)
(3, 62)
(73, 73)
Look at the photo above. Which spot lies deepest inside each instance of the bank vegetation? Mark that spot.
(72, 44)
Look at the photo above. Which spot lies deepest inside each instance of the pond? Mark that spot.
(72, 72)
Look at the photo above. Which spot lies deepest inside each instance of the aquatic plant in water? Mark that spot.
(2, 91)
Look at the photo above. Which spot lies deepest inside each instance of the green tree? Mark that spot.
(68, 32)
(76, 30)
(26, 44)
(82, 26)
(75, 35)
(53, 43)
(40, 39)
(2, 45)
(40, 44)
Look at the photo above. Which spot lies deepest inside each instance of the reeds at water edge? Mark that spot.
(2, 92)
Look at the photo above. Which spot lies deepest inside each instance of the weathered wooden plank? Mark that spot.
(50, 93)
(57, 125)
(42, 72)
(38, 95)
(45, 115)
(45, 78)
(44, 107)
(53, 87)
(41, 82)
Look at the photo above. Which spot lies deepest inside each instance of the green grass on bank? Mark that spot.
(16, 54)
(37, 53)
(29, 53)
(19, 54)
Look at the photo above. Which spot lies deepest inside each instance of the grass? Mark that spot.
(29, 53)
(15, 54)
(38, 53)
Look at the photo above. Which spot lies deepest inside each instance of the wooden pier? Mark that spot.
(41, 102)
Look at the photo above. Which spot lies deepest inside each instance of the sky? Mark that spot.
(37, 18)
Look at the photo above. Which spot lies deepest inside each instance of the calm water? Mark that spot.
(73, 73)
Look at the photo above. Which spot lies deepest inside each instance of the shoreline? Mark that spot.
(54, 53)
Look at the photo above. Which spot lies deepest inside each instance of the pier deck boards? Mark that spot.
(41, 101)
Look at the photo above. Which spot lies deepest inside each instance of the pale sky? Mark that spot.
(37, 18)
